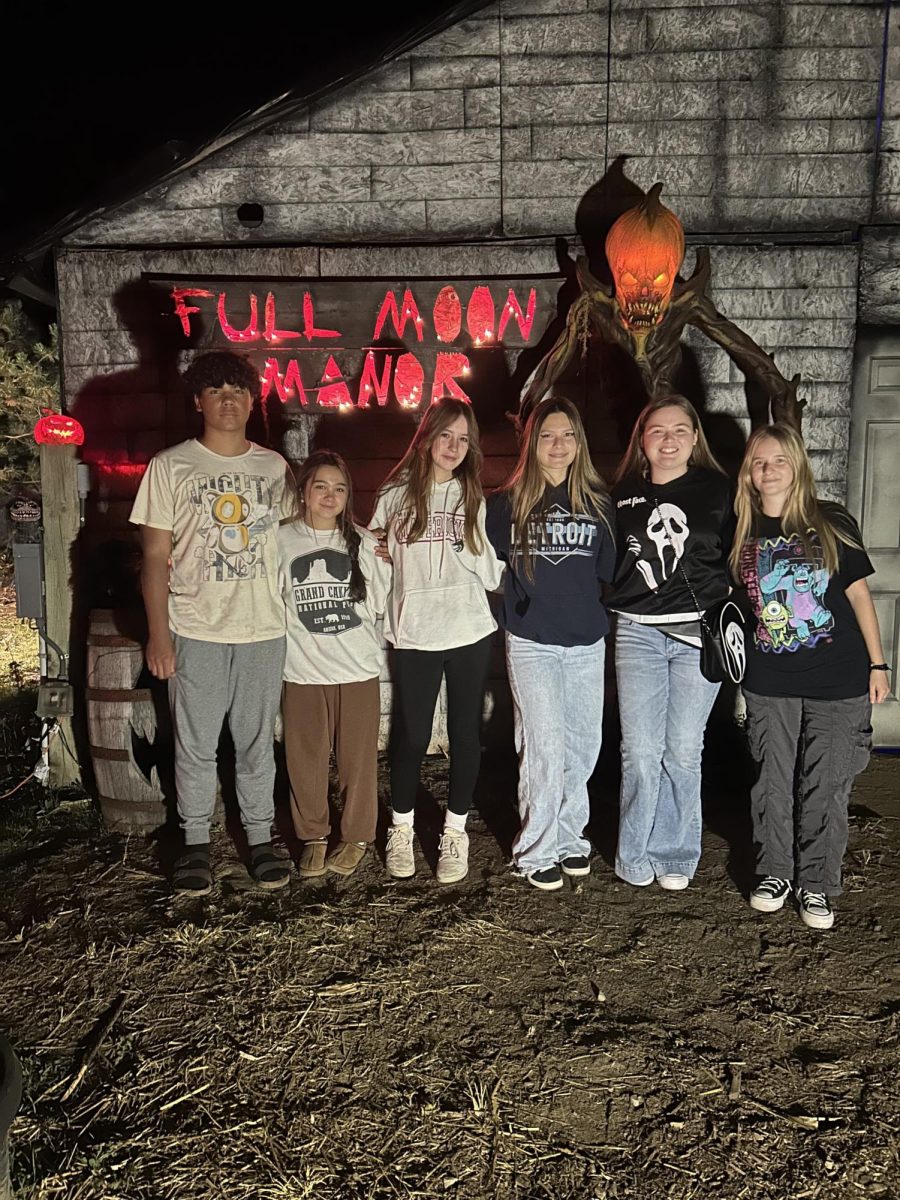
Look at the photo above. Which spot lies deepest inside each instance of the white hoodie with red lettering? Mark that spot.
(438, 597)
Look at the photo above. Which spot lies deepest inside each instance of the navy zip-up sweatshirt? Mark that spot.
(571, 554)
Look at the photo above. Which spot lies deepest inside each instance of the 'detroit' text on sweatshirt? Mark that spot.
(571, 552)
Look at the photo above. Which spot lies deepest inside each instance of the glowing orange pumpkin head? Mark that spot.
(644, 249)
(56, 429)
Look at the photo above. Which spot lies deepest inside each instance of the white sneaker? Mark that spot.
(399, 857)
(453, 860)
(815, 909)
(673, 883)
(770, 894)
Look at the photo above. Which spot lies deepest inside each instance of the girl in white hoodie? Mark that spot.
(431, 511)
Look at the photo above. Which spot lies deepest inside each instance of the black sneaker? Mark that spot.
(575, 864)
(770, 894)
(815, 910)
(548, 880)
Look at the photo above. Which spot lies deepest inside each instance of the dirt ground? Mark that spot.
(369, 1038)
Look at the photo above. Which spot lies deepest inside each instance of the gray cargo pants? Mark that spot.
(213, 680)
(807, 754)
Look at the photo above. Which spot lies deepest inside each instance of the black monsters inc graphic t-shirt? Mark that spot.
(664, 532)
(571, 553)
(806, 641)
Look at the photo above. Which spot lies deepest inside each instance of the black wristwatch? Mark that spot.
(879, 667)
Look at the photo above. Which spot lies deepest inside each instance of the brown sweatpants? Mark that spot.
(347, 715)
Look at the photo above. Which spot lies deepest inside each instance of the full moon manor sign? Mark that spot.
(322, 345)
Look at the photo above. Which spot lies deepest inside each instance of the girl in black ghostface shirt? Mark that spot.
(674, 518)
(814, 668)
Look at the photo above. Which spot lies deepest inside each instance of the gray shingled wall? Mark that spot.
(886, 209)
(809, 330)
(761, 118)
(879, 278)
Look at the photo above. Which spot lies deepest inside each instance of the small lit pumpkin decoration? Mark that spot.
(56, 429)
(645, 249)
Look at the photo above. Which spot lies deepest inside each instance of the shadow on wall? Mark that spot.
(127, 417)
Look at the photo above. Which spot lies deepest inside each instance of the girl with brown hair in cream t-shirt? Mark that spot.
(334, 590)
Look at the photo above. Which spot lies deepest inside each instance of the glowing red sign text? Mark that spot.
(479, 320)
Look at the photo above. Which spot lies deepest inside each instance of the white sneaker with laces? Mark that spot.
(453, 859)
(815, 910)
(399, 857)
(770, 894)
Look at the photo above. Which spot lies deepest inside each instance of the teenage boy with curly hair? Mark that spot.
(209, 510)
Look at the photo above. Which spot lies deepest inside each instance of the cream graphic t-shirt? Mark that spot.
(330, 640)
(223, 512)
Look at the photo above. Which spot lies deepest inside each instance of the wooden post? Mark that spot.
(60, 502)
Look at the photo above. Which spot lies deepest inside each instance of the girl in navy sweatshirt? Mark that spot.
(551, 526)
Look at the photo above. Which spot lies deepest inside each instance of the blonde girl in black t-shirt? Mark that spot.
(815, 666)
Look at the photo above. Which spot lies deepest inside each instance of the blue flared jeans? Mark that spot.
(664, 704)
(558, 697)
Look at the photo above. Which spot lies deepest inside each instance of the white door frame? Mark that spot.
(873, 493)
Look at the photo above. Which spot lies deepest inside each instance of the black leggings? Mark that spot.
(417, 682)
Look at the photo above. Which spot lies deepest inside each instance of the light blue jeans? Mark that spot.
(664, 704)
(558, 696)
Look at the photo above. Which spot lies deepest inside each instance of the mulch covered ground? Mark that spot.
(372, 1038)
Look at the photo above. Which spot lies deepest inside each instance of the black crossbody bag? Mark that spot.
(723, 651)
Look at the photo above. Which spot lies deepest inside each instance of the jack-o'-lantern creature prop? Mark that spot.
(647, 308)
(645, 249)
(56, 429)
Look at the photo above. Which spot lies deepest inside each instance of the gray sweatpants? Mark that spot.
(212, 681)
(807, 754)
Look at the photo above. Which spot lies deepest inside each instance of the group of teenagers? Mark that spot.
(262, 592)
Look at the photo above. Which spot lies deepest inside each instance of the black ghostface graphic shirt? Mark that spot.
(663, 529)
(572, 554)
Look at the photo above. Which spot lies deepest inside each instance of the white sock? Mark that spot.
(455, 821)
(398, 818)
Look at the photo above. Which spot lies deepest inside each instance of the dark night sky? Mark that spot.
(86, 116)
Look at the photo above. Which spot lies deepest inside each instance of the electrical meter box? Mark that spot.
(28, 559)
(25, 516)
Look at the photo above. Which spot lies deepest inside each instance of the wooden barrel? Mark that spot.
(122, 718)
(115, 647)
